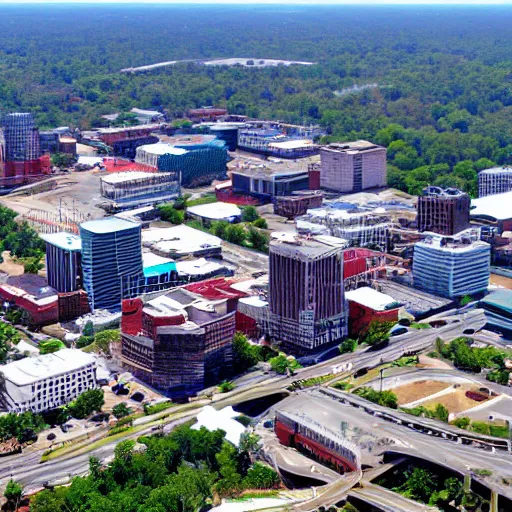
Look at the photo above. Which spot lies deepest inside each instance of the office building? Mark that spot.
(443, 211)
(138, 188)
(452, 266)
(306, 293)
(267, 182)
(111, 260)
(298, 203)
(179, 342)
(496, 180)
(353, 166)
(48, 381)
(63, 261)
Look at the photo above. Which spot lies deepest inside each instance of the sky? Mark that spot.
(271, 2)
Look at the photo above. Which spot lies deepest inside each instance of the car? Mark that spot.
(468, 332)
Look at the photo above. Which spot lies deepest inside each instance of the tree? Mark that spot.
(32, 265)
(104, 339)
(61, 160)
(261, 476)
(13, 494)
(348, 345)
(169, 213)
(235, 233)
(249, 214)
(257, 239)
(87, 403)
(260, 223)
(244, 355)
(50, 346)
(249, 442)
(121, 410)
(53, 500)
(377, 332)
(282, 364)
(230, 482)
(8, 336)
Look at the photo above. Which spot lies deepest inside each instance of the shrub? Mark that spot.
(261, 476)
(226, 386)
(121, 410)
(348, 345)
(156, 408)
(281, 364)
(260, 223)
(249, 214)
(463, 422)
(84, 341)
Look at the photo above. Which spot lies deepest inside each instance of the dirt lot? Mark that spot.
(80, 190)
(417, 390)
(505, 282)
(455, 402)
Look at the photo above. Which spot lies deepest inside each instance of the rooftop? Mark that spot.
(496, 206)
(33, 369)
(497, 170)
(108, 225)
(215, 211)
(462, 242)
(352, 147)
(181, 239)
(122, 177)
(161, 148)
(63, 240)
(32, 284)
(434, 191)
(370, 298)
(499, 298)
(289, 244)
(293, 144)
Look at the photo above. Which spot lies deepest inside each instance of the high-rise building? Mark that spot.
(63, 261)
(111, 260)
(353, 166)
(22, 149)
(443, 211)
(496, 180)
(452, 266)
(306, 292)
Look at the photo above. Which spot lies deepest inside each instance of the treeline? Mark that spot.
(185, 471)
(445, 78)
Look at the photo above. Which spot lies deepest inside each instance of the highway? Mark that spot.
(25, 468)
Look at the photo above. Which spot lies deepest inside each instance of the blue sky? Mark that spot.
(271, 2)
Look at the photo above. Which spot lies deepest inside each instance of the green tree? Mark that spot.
(121, 410)
(230, 482)
(87, 403)
(104, 339)
(13, 494)
(261, 476)
(348, 345)
(226, 386)
(249, 214)
(49, 500)
(32, 265)
(50, 346)
(377, 332)
(235, 233)
(257, 239)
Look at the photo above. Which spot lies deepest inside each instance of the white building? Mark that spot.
(452, 266)
(45, 382)
(496, 180)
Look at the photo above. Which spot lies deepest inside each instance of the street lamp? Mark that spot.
(381, 371)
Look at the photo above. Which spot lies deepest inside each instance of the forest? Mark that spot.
(432, 83)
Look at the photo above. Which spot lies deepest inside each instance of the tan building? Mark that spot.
(353, 166)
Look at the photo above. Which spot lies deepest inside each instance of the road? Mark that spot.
(25, 467)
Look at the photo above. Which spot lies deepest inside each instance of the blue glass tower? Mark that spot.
(111, 258)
